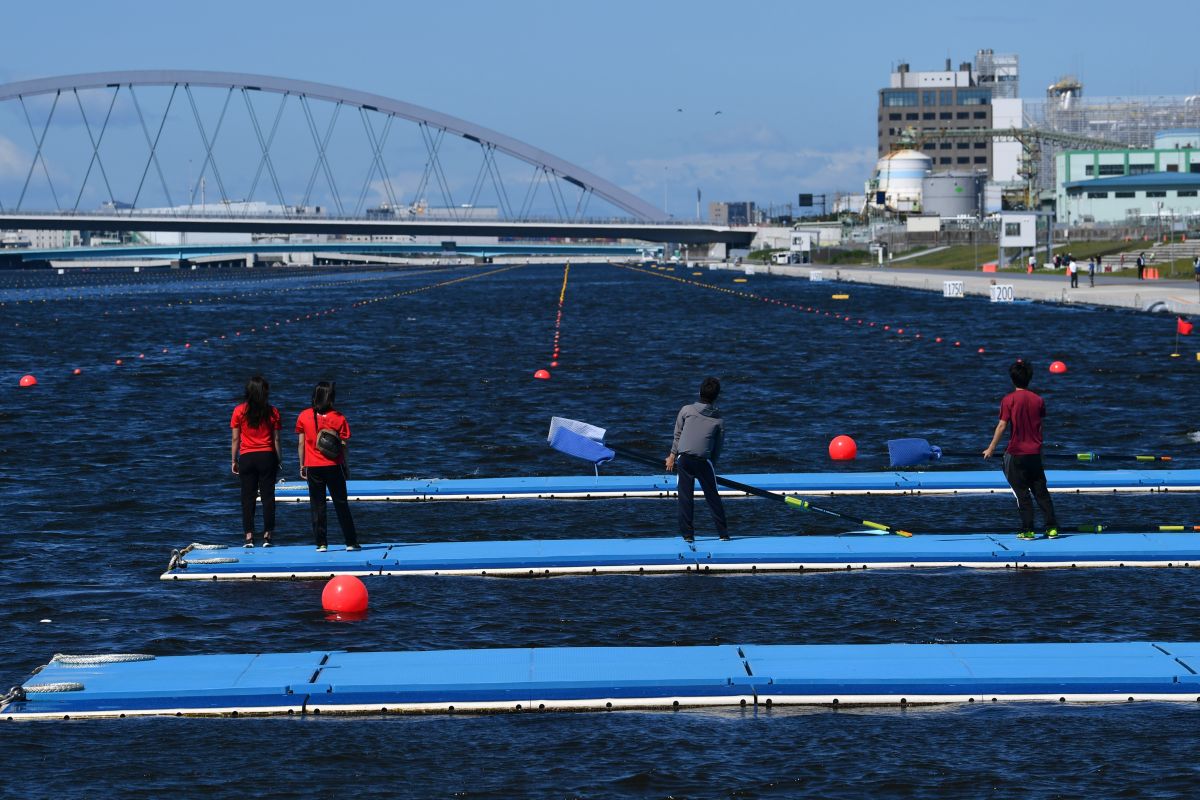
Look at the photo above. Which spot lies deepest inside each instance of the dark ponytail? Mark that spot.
(323, 397)
(258, 409)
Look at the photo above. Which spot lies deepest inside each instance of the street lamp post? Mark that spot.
(666, 171)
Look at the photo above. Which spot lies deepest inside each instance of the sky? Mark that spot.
(629, 90)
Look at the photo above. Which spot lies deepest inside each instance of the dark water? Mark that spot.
(105, 472)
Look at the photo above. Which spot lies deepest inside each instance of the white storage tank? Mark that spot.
(953, 194)
(898, 176)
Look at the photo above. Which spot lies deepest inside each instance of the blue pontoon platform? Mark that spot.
(599, 678)
(574, 487)
(539, 557)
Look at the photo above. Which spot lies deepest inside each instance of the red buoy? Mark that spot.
(843, 448)
(1058, 367)
(77, 371)
(344, 593)
(28, 380)
(541, 374)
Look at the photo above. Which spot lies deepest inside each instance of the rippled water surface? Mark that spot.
(104, 472)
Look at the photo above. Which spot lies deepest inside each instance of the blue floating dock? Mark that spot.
(539, 557)
(599, 678)
(575, 487)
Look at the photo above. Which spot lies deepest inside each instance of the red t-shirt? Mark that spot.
(1023, 411)
(256, 440)
(304, 425)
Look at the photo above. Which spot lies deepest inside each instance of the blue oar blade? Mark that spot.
(910, 452)
(568, 441)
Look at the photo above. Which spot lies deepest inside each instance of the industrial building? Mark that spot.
(918, 106)
(742, 213)
(1131, 185)
(1135, 122)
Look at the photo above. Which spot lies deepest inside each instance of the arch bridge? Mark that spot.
(201, 150)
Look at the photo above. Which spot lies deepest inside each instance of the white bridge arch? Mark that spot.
(434, 126)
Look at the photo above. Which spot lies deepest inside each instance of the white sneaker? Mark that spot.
(322, 548)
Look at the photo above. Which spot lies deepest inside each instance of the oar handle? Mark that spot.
(1088, 457)
(866, 523)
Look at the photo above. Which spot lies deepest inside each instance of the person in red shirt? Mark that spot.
(1023, 412)
(256, 455)
(322, 472)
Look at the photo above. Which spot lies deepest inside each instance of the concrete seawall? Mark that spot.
(1165, 296)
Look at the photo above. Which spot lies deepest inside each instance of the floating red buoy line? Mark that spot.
(542, 374)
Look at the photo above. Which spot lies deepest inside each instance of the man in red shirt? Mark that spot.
(1023, 411)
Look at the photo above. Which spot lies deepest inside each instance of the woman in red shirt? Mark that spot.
(322, 472)
(257, 455)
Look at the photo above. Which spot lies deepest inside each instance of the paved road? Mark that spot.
(1174, 296)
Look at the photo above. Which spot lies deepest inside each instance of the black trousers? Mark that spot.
(1027, 477)
(257, 472)
(693, 468)
(1074, 280)
(331, 478)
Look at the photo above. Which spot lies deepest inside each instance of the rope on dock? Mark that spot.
(41, 688)
(93, 660)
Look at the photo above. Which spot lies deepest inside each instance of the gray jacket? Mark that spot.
(699, 431)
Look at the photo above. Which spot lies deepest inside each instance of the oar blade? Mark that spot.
(910, 452)
(574, 444)
(575, 426)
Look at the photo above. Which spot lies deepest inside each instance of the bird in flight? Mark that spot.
(715, 113)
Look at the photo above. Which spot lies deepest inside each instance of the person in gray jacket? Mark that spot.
(699, 434)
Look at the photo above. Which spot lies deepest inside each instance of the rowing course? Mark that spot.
(540, 557)
(575, 487)
(600, 678)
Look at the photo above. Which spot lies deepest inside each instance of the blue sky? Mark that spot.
(599, 83)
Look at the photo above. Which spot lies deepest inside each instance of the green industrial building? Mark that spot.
(1136, 186)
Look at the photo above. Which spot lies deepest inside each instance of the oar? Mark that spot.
(910, 452)
(1068, 529)
(581, 440)
(1142, 529)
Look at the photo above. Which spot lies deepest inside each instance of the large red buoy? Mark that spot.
(28, 380)
(344, 593)
(542, 374)
(1058, 367)
(843, 448)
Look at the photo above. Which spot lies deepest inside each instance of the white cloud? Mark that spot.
(13, 162)
(761, 174)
